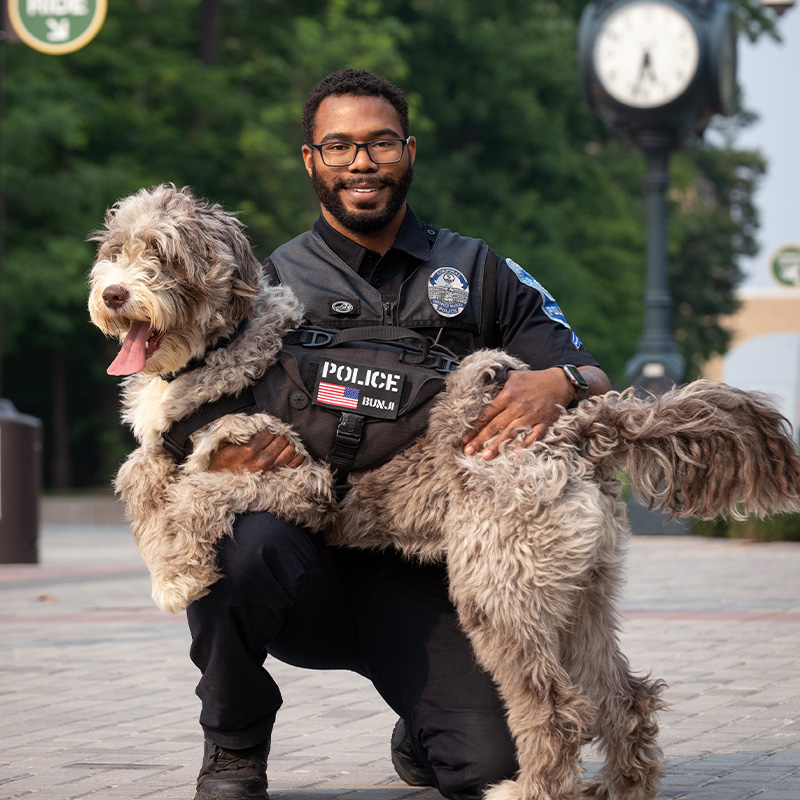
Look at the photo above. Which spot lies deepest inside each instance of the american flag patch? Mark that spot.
(333, 394)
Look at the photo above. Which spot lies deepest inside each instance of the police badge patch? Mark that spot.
(448, 291)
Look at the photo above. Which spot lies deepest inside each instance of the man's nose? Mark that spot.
(363, 163)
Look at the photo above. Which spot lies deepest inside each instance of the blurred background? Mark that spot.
(209, 93)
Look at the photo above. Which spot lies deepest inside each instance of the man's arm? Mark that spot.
(529, 399)
(533, 328)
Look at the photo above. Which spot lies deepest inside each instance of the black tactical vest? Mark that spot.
(450, 296)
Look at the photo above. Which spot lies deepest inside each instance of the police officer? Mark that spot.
(369, 261)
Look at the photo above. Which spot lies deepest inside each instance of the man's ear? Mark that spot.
(412, 149)
(308, 158)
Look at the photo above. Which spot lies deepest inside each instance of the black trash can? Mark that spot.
(20, 483)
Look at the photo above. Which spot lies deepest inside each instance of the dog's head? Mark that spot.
(173, 276)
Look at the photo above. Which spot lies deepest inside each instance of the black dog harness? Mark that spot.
(356, 396)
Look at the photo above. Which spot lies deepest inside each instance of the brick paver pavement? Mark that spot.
(97, 689)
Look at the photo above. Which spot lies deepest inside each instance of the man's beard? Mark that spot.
(365, 220)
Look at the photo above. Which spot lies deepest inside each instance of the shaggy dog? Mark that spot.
(534, 540)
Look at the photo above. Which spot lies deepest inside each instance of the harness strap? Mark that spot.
(416, 346)
(419, 353)
(199, 362)
(176, 439)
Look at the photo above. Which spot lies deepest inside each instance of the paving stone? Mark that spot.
(97, 690)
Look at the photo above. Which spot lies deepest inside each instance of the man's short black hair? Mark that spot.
(358, 82)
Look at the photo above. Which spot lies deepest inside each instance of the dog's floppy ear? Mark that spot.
(225, 228)
(245, 268)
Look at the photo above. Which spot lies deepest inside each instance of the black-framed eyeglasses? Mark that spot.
(343, 154)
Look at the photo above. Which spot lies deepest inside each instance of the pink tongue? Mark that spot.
(132, 356)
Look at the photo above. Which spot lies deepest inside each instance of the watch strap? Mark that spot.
(578, 381)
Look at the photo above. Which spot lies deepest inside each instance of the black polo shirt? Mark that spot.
(530, 324)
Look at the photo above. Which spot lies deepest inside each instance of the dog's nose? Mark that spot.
(115, 296)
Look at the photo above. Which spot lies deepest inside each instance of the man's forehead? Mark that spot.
(355, 116)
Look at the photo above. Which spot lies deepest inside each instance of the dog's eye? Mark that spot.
(157, 249)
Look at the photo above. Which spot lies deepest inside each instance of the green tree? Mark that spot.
(209, 93)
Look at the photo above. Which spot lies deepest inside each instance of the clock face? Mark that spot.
(646, 54)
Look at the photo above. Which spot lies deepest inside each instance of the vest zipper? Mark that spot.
(388, 313)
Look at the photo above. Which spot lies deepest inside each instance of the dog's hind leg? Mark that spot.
(508, 619)
(626, 724)
(627, 728)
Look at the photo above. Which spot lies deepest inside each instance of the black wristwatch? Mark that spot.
(580, 383)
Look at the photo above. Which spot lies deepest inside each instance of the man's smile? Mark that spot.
(362, 187)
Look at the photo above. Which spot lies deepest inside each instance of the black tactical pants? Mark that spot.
(288, 595)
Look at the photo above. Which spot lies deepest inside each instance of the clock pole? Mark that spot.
(657, 71)
(657, 364)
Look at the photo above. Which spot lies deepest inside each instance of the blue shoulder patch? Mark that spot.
(549, 304)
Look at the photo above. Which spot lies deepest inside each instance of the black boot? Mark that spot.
(233, 774)
(407, 764)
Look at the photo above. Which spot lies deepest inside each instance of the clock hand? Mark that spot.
(647, 72)
(642, 72)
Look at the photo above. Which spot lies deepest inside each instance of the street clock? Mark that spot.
(657, 71)
(658, 64)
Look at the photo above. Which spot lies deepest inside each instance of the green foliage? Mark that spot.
(782, 528)
(714, 222)
(507, 151)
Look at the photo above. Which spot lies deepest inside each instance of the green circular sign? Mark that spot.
(57, 26)
(786, 265)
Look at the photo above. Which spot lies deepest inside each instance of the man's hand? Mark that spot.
(529, 399)
(265, 451)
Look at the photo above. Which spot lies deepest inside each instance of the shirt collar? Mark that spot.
(411, 239)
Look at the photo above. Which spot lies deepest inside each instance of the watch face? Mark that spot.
(646, 54)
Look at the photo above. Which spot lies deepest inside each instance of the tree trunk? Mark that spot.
(209, 31)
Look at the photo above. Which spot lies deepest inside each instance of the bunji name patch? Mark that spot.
(448, 291)
(371, 391)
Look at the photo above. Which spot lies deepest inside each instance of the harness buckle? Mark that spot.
(314, 337)
(174, 447)
(350, 430)
(446, 364)
(348, 438)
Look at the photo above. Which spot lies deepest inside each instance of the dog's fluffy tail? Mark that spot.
(701, 450)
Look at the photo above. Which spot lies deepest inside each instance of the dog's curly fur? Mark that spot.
(534, 540)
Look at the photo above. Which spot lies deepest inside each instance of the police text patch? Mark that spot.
(371, 391)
